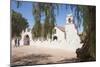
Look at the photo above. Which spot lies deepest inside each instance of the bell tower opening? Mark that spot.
(69, 18)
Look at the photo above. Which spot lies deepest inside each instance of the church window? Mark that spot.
(69, 20)
(55, 38)
(55, 31)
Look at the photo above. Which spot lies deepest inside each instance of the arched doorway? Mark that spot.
(55, 38)
(26, 40)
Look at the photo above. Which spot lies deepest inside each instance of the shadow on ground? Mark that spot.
(37, 59)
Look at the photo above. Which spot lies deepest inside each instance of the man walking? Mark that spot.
(15, 42)
(18, 42)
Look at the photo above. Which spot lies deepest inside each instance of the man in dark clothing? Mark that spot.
(16, 42)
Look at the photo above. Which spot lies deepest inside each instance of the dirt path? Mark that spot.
(37, 55)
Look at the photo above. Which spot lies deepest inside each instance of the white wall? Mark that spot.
(60, 34)
(24, 34)
(72, 38)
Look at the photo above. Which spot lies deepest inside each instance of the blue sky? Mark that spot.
(26, 10)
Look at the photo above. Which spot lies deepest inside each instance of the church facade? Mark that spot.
(64, 36)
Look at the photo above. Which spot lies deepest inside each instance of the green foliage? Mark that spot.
(46, 10)
(88, 50)
(50, 19)
(18, 24)
(37, 16)
(88, 14)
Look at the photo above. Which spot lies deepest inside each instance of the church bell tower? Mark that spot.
(72, 38)
(69, 19)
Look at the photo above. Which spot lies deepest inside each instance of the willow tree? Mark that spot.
(47, 11)
(88, 51)
(88, 14)
(18, 24)
(37, 28)
(49, 23)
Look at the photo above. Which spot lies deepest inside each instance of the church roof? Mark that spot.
(61, 28)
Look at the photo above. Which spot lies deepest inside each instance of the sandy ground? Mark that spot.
(25, 55)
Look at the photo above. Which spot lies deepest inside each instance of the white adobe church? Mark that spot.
(64, 37)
